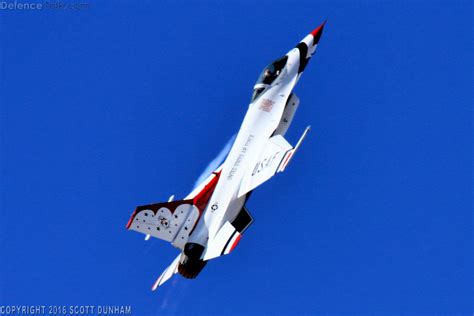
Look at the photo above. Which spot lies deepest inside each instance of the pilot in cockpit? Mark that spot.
(268, 76)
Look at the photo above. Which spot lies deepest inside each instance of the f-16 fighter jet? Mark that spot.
(210, 221)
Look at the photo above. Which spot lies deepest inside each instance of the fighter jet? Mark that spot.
(210, 221)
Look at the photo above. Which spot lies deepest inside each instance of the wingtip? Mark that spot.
(129, 223)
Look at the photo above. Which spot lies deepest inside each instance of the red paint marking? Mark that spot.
(266, 105)
(129, 223)
(202, 198)
(200, 201)
(319, 29)
(289, 158)
(236, 241)
(286, 160)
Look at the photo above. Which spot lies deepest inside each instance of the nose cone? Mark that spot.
(308, 45)
(317, 32)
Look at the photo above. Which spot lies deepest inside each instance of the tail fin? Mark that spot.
(167, 274)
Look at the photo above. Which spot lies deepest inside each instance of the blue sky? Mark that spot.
(125, 103)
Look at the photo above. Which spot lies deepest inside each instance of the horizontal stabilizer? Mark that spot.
(229, 235)
(243, 220)
(223, 243)
(168, 273)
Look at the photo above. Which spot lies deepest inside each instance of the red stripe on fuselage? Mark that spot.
(202, 198)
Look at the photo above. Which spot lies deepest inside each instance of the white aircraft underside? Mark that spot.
(209, 222)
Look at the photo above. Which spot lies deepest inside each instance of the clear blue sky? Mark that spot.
(125, 103)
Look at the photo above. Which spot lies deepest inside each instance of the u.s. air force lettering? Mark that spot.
(265, 163)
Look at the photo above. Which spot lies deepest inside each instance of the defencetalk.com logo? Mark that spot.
(16, 5)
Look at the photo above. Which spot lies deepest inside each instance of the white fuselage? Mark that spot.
(210, 220)
(262, 118)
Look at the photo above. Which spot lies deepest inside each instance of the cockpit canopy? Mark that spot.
(268, 75)
(271, 72)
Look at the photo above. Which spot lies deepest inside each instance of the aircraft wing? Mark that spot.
(173, 221)
(274, 158)
(169, 221)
